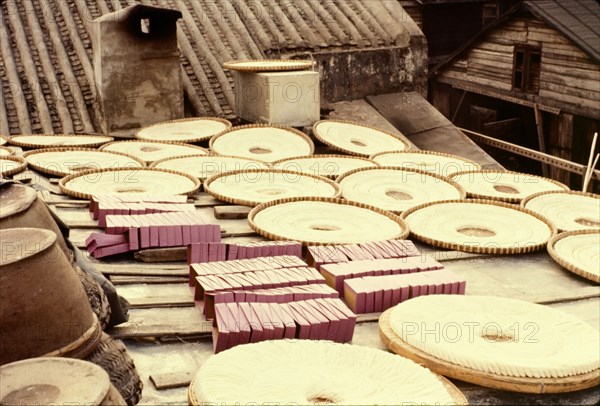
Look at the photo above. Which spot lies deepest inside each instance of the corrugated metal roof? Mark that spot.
(46, 65)
(578, 20)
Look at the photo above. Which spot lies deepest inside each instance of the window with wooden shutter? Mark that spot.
(526, 68)
(490, 12)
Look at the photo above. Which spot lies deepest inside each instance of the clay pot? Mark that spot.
(58, 381)
(44, 309)
(20, 207)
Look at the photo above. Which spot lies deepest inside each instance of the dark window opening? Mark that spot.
(145, 25)
(491, 11)
(526, 68)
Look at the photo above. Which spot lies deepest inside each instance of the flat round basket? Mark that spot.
(357, 139)
(578, 252)
(481, 226)
(6, 151)
(330, 166)
(66, 161)
(268, 65)
(150, 151)
(320, 221)
(252, 187)
(44, 381)
(185, 130)
(11, 165)
(395, 189)
(308, 372)
(112, 181)
(568, 210)
(3, 140)
(59, 140)
(204, 166)
(263, 142)
(495, 342)
(504, 186)
(430, 161)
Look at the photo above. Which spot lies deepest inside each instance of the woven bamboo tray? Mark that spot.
(267, 143)
(194, 129)
(11, 165)
(204, 166)
(328, 165)
(59, 140)
(143, 180)
(578, 252)
(322, 221)
(567, 209)
(430, 161)
(6, 151)
(480, 226)
(357, 139)
(269, 65)
(504, 186)
(66, 161)
(251, 187)
(151, 151)
(515, 333)
(396, 189)
(317, 372)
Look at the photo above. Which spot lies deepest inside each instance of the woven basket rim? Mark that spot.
(464, 373)
(445, 179)
(325, 156)
(292, 130)
(395, 218)
(300, 64)
(427, 152)
(73, 193)
(250, 203)
(556, 192)
(481, 249)
(565, 263)
(507, 199)
(51, 171)
(18, 143)
(20, 168)
(210, 154)
(402, 138)
(11, 152)
(227, 123)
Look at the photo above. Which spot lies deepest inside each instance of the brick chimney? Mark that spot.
(136, 67)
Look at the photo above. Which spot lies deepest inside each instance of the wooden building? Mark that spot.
(539, 63)
(448, 24)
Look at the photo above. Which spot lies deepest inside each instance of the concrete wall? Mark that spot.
(137, 73)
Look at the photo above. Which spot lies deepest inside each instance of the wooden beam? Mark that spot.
(462, 99)
(540, 132)
(530, 153)
(171, 380)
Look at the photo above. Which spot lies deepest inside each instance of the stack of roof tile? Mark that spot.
(377, 294)
(135, 222)
(328, 254)
(269, 298)
(210, 252)
(381, 274)
(315, 319)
